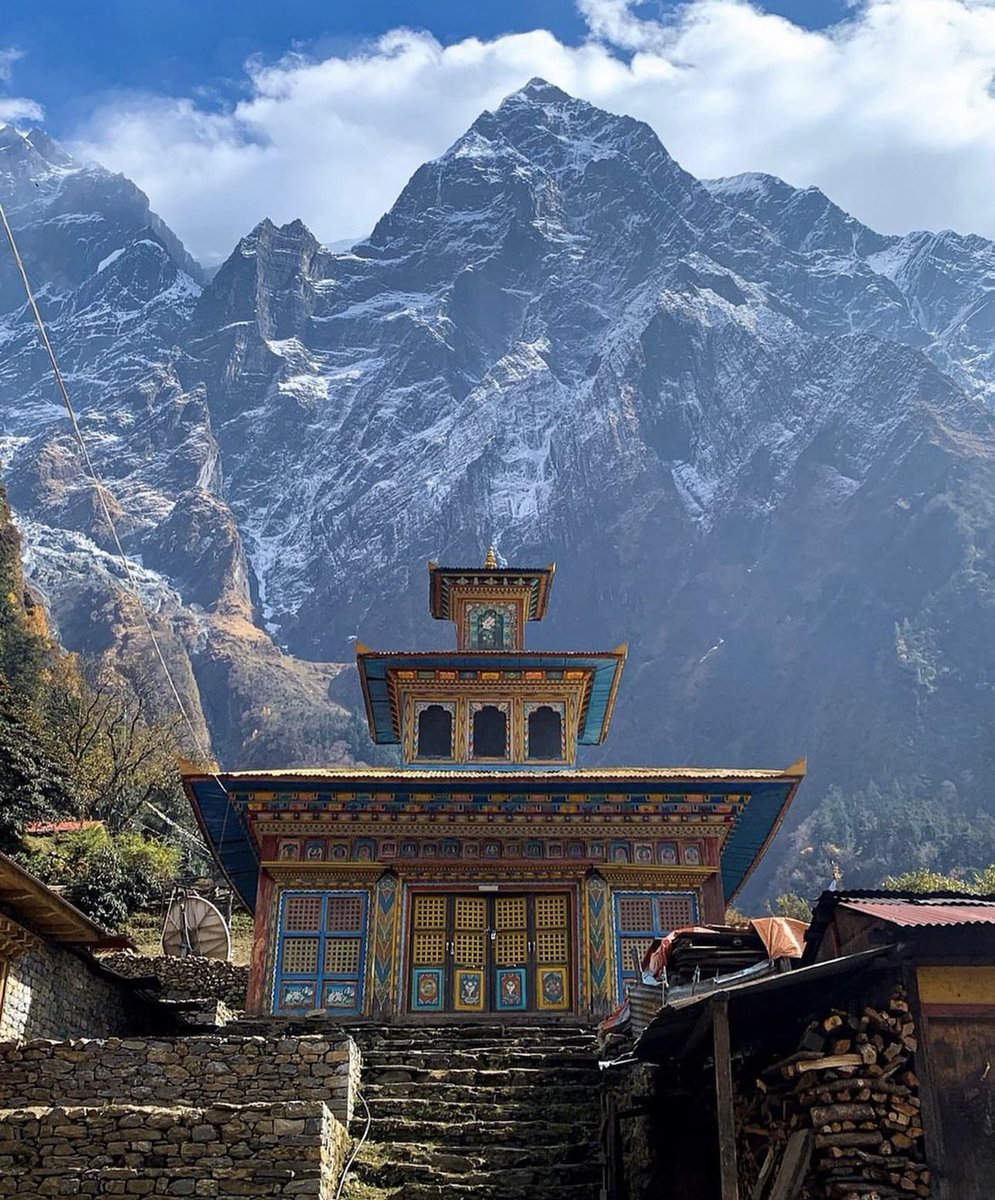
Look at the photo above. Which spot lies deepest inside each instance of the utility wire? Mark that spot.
(102, 494)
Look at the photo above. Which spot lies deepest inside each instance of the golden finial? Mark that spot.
(490, 562)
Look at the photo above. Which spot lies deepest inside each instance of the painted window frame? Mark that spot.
(321, 978)
(623, 973)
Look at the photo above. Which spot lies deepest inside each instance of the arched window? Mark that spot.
(545, 733)
(490, 733)
(435, 732)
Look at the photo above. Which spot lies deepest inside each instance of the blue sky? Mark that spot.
(228, 111)
(79, 52)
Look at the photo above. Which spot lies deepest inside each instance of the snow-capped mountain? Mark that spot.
(755, 435)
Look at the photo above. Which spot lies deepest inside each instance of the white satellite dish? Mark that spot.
(194, 926)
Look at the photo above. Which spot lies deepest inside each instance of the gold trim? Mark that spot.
(436, 825)
(618, 875)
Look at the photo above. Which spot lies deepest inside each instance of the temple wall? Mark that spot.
(51, 992)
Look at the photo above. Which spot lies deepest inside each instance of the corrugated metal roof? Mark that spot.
(927, 912)
(566, 774)
(752, 1003)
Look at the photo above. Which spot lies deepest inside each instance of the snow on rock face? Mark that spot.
(735, 416)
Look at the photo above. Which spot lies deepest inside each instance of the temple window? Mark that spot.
(491, 626)
(545, 733)
(490, 732)
(641, 918)
(321, 952)
(435, 732)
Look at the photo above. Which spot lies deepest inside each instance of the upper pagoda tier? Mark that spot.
(490, 702)
(489, 606)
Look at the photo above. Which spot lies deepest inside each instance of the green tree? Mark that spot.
(34, 783)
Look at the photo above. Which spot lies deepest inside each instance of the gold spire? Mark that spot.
(491, 562)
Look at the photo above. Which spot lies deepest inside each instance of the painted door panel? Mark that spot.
(476, 954)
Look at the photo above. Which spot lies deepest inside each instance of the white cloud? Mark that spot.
(15, 108)
(891, 112)
(8, 56)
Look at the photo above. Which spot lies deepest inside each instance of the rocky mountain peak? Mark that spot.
(745, 425)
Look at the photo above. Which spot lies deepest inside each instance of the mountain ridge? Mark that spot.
(754, 434)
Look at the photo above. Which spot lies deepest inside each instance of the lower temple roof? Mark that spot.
(220, 802)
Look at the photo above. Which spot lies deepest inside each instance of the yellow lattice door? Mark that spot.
(512, 984)
(429, 945)
(469, 948)
(552, 952)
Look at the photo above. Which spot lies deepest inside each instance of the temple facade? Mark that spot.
(488, 874)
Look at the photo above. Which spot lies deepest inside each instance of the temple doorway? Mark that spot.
(473, 953)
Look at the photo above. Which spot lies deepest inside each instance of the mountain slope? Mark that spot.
(753, 433)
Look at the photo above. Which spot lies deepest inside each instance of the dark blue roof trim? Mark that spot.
(374, 668)
(754, 829)
(236, 854)
(226, 832)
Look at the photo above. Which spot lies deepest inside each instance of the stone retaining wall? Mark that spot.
(188, 978)
(52, 992)
(292, 1150)
(183, 1070)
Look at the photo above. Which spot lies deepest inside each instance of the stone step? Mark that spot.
(522, 1096)
(517, 1178)
(579, 1074)
(473, 1157)
(394, 1127)
(487, 1189)
(442, 1059)
(580, 1043)
(476, 1029)
(511, 1049)
(483, 1109)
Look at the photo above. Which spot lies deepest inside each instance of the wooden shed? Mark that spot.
(864, 1074)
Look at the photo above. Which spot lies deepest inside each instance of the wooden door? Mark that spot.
(481, 953)
(962, 1065)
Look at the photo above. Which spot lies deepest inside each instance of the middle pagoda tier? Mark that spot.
(489, 702)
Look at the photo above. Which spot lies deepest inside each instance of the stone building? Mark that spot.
(51, 986)
(489, 874)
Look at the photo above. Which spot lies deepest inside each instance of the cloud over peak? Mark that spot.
(891, 113)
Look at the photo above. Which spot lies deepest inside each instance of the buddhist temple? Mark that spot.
(488, 874)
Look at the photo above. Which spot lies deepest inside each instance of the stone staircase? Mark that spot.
(501, 1112)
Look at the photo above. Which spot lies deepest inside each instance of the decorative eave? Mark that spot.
(42, 911)
(378, 673)
(221, 801)
(443, 580)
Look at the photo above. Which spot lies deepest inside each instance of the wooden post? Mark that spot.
(728, 1171)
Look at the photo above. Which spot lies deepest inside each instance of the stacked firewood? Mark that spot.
(842, 1115)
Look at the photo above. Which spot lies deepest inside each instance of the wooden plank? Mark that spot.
(928, 1095)
(794, 1166)
(955, 984)
(728, 1171)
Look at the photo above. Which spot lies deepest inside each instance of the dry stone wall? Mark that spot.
(52, 992)
(190, 978)
(183, 1070)
(224, 1151)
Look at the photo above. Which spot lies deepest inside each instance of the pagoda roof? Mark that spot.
(604, 669)
(441, 581)
(219, 801)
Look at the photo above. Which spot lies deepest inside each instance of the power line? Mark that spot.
(102, 493)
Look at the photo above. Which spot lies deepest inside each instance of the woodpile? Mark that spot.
(840, 1118)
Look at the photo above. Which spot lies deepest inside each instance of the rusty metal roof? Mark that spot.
(912, 912)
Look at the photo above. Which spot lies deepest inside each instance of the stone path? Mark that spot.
(489, 1111)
